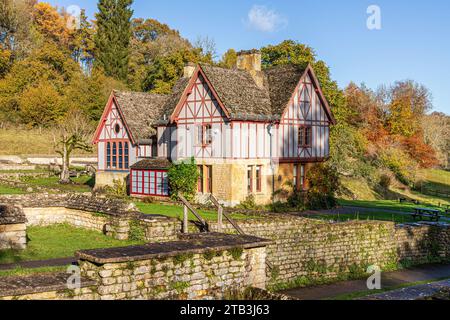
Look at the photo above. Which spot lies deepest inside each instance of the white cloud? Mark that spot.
(264, 19)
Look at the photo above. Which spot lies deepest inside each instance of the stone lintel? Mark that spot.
(190, 244)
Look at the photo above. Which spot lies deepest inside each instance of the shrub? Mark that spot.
(323, 184)
(249, 203)
(118, 189)
(400, 164)
(183, 178)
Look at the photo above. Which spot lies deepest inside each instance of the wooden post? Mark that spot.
(185, 220)
(220, 218)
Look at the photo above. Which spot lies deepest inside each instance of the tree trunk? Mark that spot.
(65, 173)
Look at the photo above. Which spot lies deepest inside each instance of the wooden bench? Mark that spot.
(402, 200)
(432, 214)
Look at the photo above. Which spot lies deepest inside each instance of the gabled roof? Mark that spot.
(140, 110)
(238, 92)
(235, 89)
(282, 81)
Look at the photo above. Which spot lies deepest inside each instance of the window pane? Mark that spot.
(250, 179)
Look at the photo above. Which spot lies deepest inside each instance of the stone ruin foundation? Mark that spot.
(13, 229)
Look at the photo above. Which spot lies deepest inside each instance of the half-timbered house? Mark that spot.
(251, 131)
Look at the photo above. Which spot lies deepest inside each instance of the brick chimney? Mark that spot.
(250, 61)
(189, 70)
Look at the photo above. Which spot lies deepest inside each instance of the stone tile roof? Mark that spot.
(236, 89)
(140, 111)
(157, 163)
(239, 92)
(281, 83)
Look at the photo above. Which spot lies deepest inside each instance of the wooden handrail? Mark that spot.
(189, 206)
(231, 221)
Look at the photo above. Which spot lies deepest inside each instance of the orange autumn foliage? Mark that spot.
(423, 153)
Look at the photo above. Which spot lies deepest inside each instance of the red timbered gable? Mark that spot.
(199, 101)
(304, 127)
(112, 124)
(199, 115)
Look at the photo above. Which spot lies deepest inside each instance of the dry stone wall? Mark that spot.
(206, 267)
(305, 250)
(114, 218)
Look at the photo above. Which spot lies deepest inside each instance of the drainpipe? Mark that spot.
(272, 164)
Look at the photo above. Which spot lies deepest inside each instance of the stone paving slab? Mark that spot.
(190, 244)
(412, 293)
(15, 286)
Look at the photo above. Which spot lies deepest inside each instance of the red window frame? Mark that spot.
(159, 188)
(250, 179)
(204, 135)
(258, 178)
(117, 153)
(305, 136)
(200, 185)
(209, 177)
(300, 177)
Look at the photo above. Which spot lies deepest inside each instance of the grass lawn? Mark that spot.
(394, 205)
(10, 190)
(397, 218)
(174, 211)
(17, 141)
(20, 272)
(82, 184)
(437, 179)
(59, 241)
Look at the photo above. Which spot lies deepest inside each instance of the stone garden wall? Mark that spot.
(422, 243)
(112, 217)
(207, 266)
(305, 250)
(13, 233)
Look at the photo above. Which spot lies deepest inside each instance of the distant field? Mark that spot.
(16, 142)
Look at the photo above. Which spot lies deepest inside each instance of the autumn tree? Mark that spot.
(229, 59)
(50, 23)
(436, 130)
(16, 26)
(73, 132)
(113, 37)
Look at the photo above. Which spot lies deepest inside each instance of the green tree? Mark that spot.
(151, 40)
(113, 37)
(229, 59)
(5, 62)
(166, 71)
(82, 44)
(183, 179)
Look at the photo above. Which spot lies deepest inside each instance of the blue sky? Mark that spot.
(413, 42)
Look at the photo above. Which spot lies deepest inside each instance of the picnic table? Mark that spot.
(433, 214)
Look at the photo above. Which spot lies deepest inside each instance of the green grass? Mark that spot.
(59, 241)
(397, 218)
(394, 205)
(175, 211)
(20, 272)
(10, 190)
(82, 184)
(437, 179)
